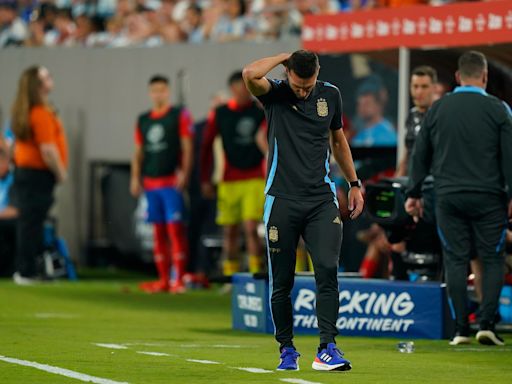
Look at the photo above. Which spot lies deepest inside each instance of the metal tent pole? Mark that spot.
(403, 97)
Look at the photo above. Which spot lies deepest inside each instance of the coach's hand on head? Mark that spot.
(285, 57)
(355, 202)
(255, 72)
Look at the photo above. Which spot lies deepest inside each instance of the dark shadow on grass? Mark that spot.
(207, 304)
(111, 274)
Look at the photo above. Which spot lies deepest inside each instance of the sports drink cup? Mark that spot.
(405, 346)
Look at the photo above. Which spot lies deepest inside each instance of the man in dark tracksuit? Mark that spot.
(423, 80)
(466, 139)
(303, 114)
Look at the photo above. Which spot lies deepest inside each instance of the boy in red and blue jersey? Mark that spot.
(161, 168)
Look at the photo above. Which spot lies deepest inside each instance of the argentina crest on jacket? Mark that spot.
(322, 108)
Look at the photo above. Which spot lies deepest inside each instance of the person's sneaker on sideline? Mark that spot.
(461, 336)
(331, 359)
(460, 339)
(27, 281)
(289, 359)
(488, 336)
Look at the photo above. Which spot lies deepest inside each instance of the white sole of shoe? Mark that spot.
(24, 281)
(488, 338)
(460, 340)
(324, 367)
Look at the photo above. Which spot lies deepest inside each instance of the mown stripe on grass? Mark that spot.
(56, 316)
(492, 349)
(60, 371)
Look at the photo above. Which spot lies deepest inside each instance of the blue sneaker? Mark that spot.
(331, 359)
(289, 360)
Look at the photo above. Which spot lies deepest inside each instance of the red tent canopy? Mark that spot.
(461, 24)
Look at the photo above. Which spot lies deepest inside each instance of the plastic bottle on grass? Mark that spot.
(405, 346)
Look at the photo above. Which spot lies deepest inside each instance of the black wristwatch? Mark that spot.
(356, 183)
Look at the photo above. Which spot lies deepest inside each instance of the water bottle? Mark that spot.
(405, 346)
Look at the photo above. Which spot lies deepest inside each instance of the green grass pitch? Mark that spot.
(60, 325)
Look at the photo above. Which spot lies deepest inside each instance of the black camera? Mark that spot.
(385, 201)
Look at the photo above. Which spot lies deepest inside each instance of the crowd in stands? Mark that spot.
(121, 23)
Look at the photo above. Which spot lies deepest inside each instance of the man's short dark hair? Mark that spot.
(472, 64)
(235, 77)
(303, 63)
(159, 79)
(425, 70)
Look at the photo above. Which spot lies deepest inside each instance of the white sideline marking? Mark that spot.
(189, 346)
(202, 361)
(61, 371)
(226, 346)
(111, 346)
(153, 353)
(144, 344)
(55, 316)
(253, 370)
(299, 381)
